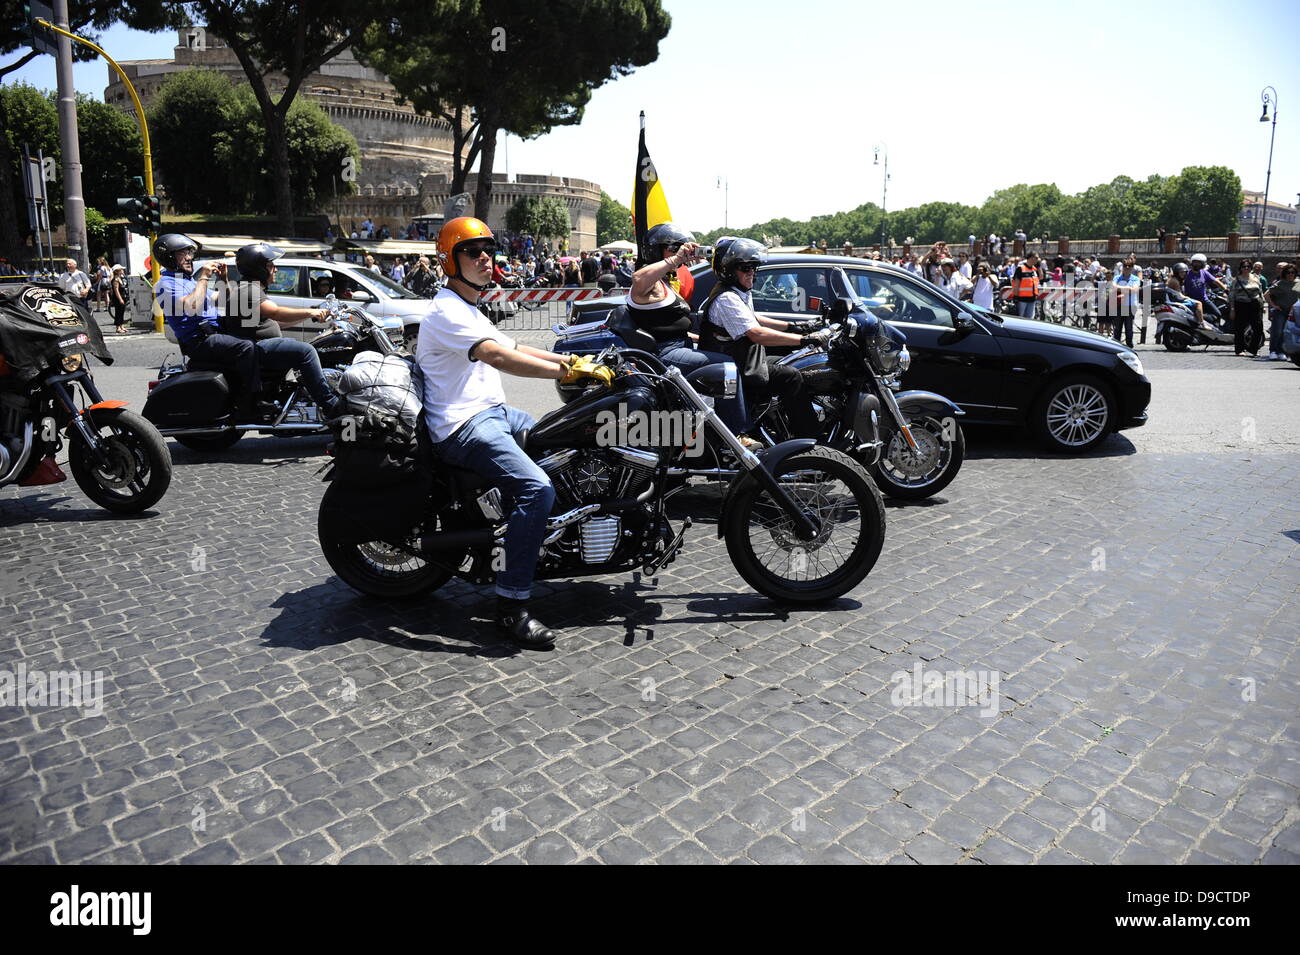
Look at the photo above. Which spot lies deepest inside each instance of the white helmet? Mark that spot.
(1199, 257)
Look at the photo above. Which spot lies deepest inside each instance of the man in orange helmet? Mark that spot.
(462, 355)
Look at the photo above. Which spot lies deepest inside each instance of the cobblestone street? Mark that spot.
(1137, 610)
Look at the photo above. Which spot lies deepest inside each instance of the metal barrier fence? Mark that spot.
(536, 316)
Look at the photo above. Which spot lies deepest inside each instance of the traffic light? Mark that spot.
(153, 210)
(136, 211)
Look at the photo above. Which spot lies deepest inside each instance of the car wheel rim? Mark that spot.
(1077, 415)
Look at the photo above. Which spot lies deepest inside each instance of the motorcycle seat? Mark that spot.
(621, 324)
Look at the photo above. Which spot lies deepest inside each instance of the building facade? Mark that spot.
(1279, 219)
(406, 158)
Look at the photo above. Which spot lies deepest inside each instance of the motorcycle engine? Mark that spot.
(595, 475)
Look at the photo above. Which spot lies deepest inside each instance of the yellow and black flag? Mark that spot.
(649, 205)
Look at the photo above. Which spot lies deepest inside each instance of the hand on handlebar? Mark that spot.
(805, 327)
(817, 338)
(587, 367)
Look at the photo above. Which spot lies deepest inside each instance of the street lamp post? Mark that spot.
(884, 195)
(1268, 177)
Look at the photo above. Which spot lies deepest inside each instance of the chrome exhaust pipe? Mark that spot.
(23, 456)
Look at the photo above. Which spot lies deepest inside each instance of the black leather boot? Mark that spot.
(514, 622)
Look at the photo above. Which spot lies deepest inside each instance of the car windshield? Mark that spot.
(394, 289)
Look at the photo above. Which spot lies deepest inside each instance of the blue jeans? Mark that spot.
(1025, 307)
(283, 354)
(731, 410)
(485, 444)
(1277, 325)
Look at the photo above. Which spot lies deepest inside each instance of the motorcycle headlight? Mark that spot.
(1132, 360)
(71, 363)
(904, 359)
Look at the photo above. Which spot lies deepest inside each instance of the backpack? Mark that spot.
(382, 470)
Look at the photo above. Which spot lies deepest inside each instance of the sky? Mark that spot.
(784, 101)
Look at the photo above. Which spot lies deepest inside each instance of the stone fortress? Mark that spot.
(406, 158)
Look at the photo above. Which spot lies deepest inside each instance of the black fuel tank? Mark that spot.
(191, 399)
(576, 424)
(335, 348)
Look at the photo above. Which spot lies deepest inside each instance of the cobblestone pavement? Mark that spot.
(1147, 704)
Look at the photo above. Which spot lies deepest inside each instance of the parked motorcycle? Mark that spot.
(117, 458)
(802, 523)
(913, 451)
(192, 402)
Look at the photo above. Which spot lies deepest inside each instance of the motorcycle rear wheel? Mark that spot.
(139, 468)
(760, 537)
(379, 569)
(1176, 339)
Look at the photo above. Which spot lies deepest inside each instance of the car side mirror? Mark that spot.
(361, 295)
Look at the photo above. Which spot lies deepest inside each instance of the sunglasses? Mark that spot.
(475, 249)
(746, 268)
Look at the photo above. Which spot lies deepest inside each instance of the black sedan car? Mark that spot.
(1070, 387)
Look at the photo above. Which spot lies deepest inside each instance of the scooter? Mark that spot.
(1178, 330)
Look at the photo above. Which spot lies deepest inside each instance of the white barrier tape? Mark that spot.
(540, 295)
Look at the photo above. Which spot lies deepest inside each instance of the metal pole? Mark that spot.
(1268, 177)
(74, 206)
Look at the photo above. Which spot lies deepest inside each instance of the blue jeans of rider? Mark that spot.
(485, 444)
(732, 411)
(283, 354)
(1025, 307)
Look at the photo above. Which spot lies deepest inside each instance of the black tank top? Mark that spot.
(667, 320)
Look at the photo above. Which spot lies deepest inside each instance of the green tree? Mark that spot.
(521, 217)
(190, 111)
(112, 140)
(288, 40)
(1207, 198)
(33, 120)
(504, 66)
(613, 220)
(552, 219)
(98, 238)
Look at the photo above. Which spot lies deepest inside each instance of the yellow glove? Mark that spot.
(586, 367)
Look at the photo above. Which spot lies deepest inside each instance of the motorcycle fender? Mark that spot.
(107, 404)
(913, 403)
(770, 459)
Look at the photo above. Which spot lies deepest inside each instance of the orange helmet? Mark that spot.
(459, 230)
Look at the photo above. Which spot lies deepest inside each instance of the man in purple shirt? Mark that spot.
(1197, 282)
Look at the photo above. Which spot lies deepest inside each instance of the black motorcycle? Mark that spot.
(47, 394)
(802, 523)
(192, 401)
(911, 443)
(916, 447)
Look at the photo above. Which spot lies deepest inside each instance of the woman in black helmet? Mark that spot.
(731, 326)
(252, 315)
(657, 308)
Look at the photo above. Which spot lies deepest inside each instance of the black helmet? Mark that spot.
(254, 261)
(1180, 268)
(166, 246)
(730, 252)
(665, 233)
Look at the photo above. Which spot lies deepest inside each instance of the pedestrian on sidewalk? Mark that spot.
(1282, 296)
(117, 299)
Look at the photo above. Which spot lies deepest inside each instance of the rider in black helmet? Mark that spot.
(190, 308)
(656, 306)
(731, 326)
(251, 314)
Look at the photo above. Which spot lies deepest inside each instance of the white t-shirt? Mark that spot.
(983, 296)
(964, 269)
(956, 284)
(733, 312)
(74, 282)
(456, 387)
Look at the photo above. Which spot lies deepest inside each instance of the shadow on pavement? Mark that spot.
(989, 441)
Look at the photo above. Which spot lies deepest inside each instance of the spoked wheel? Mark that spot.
(915, 475)
(772, 558)
(136, 470)
(380, 568)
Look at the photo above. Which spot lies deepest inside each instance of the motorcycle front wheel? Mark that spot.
(915, 475)
(768, 553)
(137, 469)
